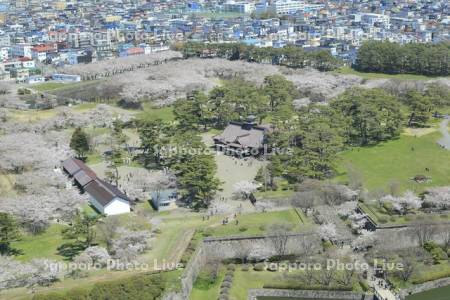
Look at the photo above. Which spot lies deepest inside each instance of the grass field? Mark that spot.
(210, 292)
(382, 217)
(51, 85)
(42, 245)
(32, 115)
(152, 113)
(258, 223)
(176, 230)
(435, 294)
(350, 71)
(399, 161)
(6, 184)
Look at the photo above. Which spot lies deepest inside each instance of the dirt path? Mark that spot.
(445, 140)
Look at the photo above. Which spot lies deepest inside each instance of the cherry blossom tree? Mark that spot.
(327, 232)
(243, 189)
(405, 203)
(365, 240)
(438, 197)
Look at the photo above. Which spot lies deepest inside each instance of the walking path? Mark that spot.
(445, 140)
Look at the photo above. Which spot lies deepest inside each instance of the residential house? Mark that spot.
(20, 74)
(21, 50)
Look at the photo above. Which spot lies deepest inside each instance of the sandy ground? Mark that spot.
(231, 170)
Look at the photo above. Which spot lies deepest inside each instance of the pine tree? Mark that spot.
(79, 142)
(9, 232)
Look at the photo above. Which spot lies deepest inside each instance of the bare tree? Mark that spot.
(279, 235)
(444, 234)
(305, 200)
(407, 269)
(422, 232)
(327, 275)
(346, 277)
(108, 231)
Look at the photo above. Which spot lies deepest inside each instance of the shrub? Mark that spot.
(148, 286)
(438, 254)
(228, 278)
(245, 268)
(225, 291)
(231, 267)
(207, 232)
(230, 274)
(430, 245)
(364, 286)
(243, 228)
(205, 280)
(301, 286)
(272, 268)
(382, 220)
(259, 267)
(225, 285)
(409, 218)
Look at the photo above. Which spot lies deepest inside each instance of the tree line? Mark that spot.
(393, 58)
(310, 137)
(289, 56)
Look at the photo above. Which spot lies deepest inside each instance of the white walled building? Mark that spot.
(107, 198)
(21, 50)
(284, 7)
(4, 53)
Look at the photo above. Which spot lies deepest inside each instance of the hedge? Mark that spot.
(145, 287)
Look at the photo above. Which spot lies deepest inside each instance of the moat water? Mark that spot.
(442, 293)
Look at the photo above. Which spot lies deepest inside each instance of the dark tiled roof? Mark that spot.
(72, 165)
(104, 192)
(80, 172)
(241, 135)
(84, 177)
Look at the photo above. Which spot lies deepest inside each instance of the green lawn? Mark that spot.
(422, 273)
(43, 245)
(278, 194)
(47, 86)
(163, 113)
(50, 86)
(435, 294)
(258, 223)
(382, 217)
(399, 161)
(210, 292)
(245, 280)
(350, 71)
(85, 106)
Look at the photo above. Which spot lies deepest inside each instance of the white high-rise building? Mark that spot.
(284, 7)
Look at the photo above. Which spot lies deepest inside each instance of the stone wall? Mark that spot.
(425, 287)
(399, 238)
(255, 293)
(256, 247)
